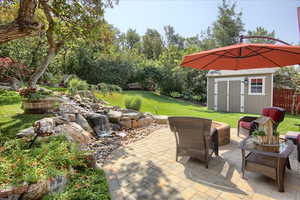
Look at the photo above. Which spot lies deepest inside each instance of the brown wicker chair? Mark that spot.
(194, 137)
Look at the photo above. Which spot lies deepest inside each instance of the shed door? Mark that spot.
(222, 96)
(234, 96)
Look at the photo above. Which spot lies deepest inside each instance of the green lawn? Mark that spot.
(162, 105)
(13, 120)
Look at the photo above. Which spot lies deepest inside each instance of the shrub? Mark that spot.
(76, 84)
(133, 103)
(9, 97)
(108, 88)
(175, 94)
(197, 98)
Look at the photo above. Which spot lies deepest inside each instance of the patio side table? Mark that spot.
(270, 164)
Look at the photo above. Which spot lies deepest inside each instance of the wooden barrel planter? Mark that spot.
(41, 106)
(223, 132)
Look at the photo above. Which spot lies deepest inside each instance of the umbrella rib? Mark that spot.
(270, 60)
(287, 51)
(223, 55)
(212, 61)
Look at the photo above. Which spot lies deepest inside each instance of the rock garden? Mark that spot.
(82, 128)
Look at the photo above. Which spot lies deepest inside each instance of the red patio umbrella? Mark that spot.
(244, 56)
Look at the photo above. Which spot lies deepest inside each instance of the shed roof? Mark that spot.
(213, 73)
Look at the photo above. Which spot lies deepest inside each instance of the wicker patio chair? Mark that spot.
(194, 137)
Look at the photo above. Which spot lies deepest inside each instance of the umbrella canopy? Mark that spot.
(244, 56)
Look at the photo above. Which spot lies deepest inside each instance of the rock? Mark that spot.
(74, 133)
(134, 124)
(26, 132)
(99, 123)
(132, 115)
(126, 123)
(83, 123)
(77, 98)
(114, 116)
(115, 127)
(121, 134)
(144, 122)
(69, 117)
(38, 190)
(161, 119)
(13, 193)
(44, 126)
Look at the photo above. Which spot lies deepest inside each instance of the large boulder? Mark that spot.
(114, 116)
(126, 123)
(83, 123)
(161, 119)
(26, 132)
(132, 115)
(44, 126)
(145, 121)
(34, 191)
(74, 133)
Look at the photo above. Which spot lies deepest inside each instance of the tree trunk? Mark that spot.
(23, 25)
(42, 68)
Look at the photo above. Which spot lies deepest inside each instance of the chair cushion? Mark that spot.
(245, 125)
(275, 113)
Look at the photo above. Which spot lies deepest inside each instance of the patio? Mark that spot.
(147, 170)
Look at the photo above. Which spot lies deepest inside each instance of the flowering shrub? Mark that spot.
(10, 69)
(33, 93)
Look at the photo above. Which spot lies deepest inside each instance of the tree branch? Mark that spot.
(23, 25)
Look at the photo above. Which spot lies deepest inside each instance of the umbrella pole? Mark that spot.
(242, 37)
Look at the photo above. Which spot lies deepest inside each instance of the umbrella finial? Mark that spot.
(241, 38)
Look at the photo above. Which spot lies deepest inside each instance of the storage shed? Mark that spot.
(245, 91)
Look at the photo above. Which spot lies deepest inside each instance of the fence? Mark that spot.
(284, 98)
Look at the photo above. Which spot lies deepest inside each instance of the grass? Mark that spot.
(163, 105)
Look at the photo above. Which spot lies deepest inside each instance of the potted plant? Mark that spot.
(37, 101)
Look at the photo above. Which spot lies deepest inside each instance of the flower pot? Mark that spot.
(41, 106)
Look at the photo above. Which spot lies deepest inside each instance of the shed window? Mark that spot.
(257, 86)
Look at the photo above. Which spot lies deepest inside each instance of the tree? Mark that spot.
(66, 21)
(172, 38)
(229, 26)
(132, 39)
(152, 44)
(261, 31)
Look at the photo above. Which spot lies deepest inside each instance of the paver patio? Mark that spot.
(147, 170)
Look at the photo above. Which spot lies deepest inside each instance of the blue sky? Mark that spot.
(189, 17)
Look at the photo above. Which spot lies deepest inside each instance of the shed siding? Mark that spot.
(255, 103)
(210, 93)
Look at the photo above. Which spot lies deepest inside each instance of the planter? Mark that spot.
(41, 106)
(223, 132)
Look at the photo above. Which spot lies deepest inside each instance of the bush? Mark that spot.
(9, 97)
(133, 103)
(175, 94)
(108, 88)
(197, 98)
(76, 84)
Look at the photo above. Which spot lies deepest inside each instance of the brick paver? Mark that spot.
(147, 170)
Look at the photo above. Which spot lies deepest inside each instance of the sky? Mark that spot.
(190, 17)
